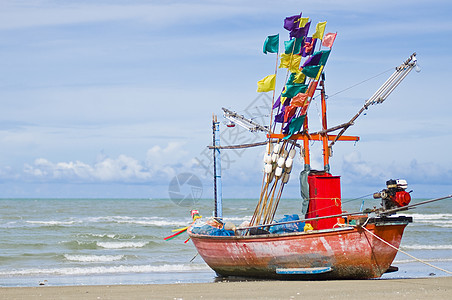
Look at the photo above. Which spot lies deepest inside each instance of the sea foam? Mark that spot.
(121, 245)
(93, 258)
(108, 270)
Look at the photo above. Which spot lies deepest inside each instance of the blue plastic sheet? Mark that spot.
(285, 228)
(210, 230)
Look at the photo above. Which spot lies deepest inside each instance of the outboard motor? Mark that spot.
(394, 195)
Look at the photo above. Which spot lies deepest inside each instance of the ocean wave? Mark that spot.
(51, 223)
(107, 270)
(420, 217)
(426, 247)
(93, 258)
(121, 245)
(79, 245)
(146, 221)
(106, 235)
(406, 261)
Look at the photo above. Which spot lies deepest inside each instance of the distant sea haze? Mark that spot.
(120, 241)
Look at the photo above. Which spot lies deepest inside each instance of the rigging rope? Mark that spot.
(365, 80)
(398, 249)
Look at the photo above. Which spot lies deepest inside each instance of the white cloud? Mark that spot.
(161, 164)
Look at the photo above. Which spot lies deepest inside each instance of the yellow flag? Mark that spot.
(283, 99)
(267, 84)
(319, 30)
(290, 61)
(299, 77)
(303, 22)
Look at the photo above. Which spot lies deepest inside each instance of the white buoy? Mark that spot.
(289, 162)
(276, 148)
(292, 153)
(281, 161)
(267, 158)
(278, 172)
(268, 168)
(275, 157)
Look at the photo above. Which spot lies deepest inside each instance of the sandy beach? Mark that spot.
(419, 288)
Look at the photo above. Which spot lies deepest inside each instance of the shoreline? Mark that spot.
(415, 288)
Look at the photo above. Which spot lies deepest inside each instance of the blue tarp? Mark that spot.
(210, 230)
(291, 227)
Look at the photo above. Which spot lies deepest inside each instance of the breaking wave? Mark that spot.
(107, 270)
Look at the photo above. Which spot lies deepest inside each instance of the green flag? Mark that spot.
(311, 71)
(271, 44)
(323, 59)
(293, 46)
(295, 126)
(293, 89)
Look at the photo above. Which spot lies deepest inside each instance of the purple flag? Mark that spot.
(286, 103)
(300, 32)
(313, 60)
(290, 23)
(279, 118)
(277, 103)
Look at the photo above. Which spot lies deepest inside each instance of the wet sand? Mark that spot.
(419, 288)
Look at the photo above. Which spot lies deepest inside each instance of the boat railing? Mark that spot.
(377, 211)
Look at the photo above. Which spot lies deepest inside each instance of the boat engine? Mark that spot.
(394, 195)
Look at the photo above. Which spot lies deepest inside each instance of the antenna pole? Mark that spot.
(218, 213)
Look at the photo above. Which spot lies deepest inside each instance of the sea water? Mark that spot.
(120, 241)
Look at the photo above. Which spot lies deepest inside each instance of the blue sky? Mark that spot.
(114, 98)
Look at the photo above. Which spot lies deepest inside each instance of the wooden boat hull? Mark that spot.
(341, 253)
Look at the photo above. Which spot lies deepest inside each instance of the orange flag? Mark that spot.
(299, 100)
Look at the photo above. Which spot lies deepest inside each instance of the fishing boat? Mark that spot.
(320, 240)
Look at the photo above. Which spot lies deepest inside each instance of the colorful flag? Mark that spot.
(300, 32)
(289, 112)
(290, 23)
(311, 71)
(318, 58)
(296, 77)
(266, 84)
(295, 126)
(277, 103)
(279, 118)
(293, 46)
(299, 100)
(271, 44)
(311, 89)
(325, 55)
(313, 60)
(319, 30)
(302, 22)
(292, 90)
(290, 61)
(308, 46)
(284, 101)
(328, 39)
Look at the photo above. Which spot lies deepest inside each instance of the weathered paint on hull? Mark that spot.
(351, 252)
